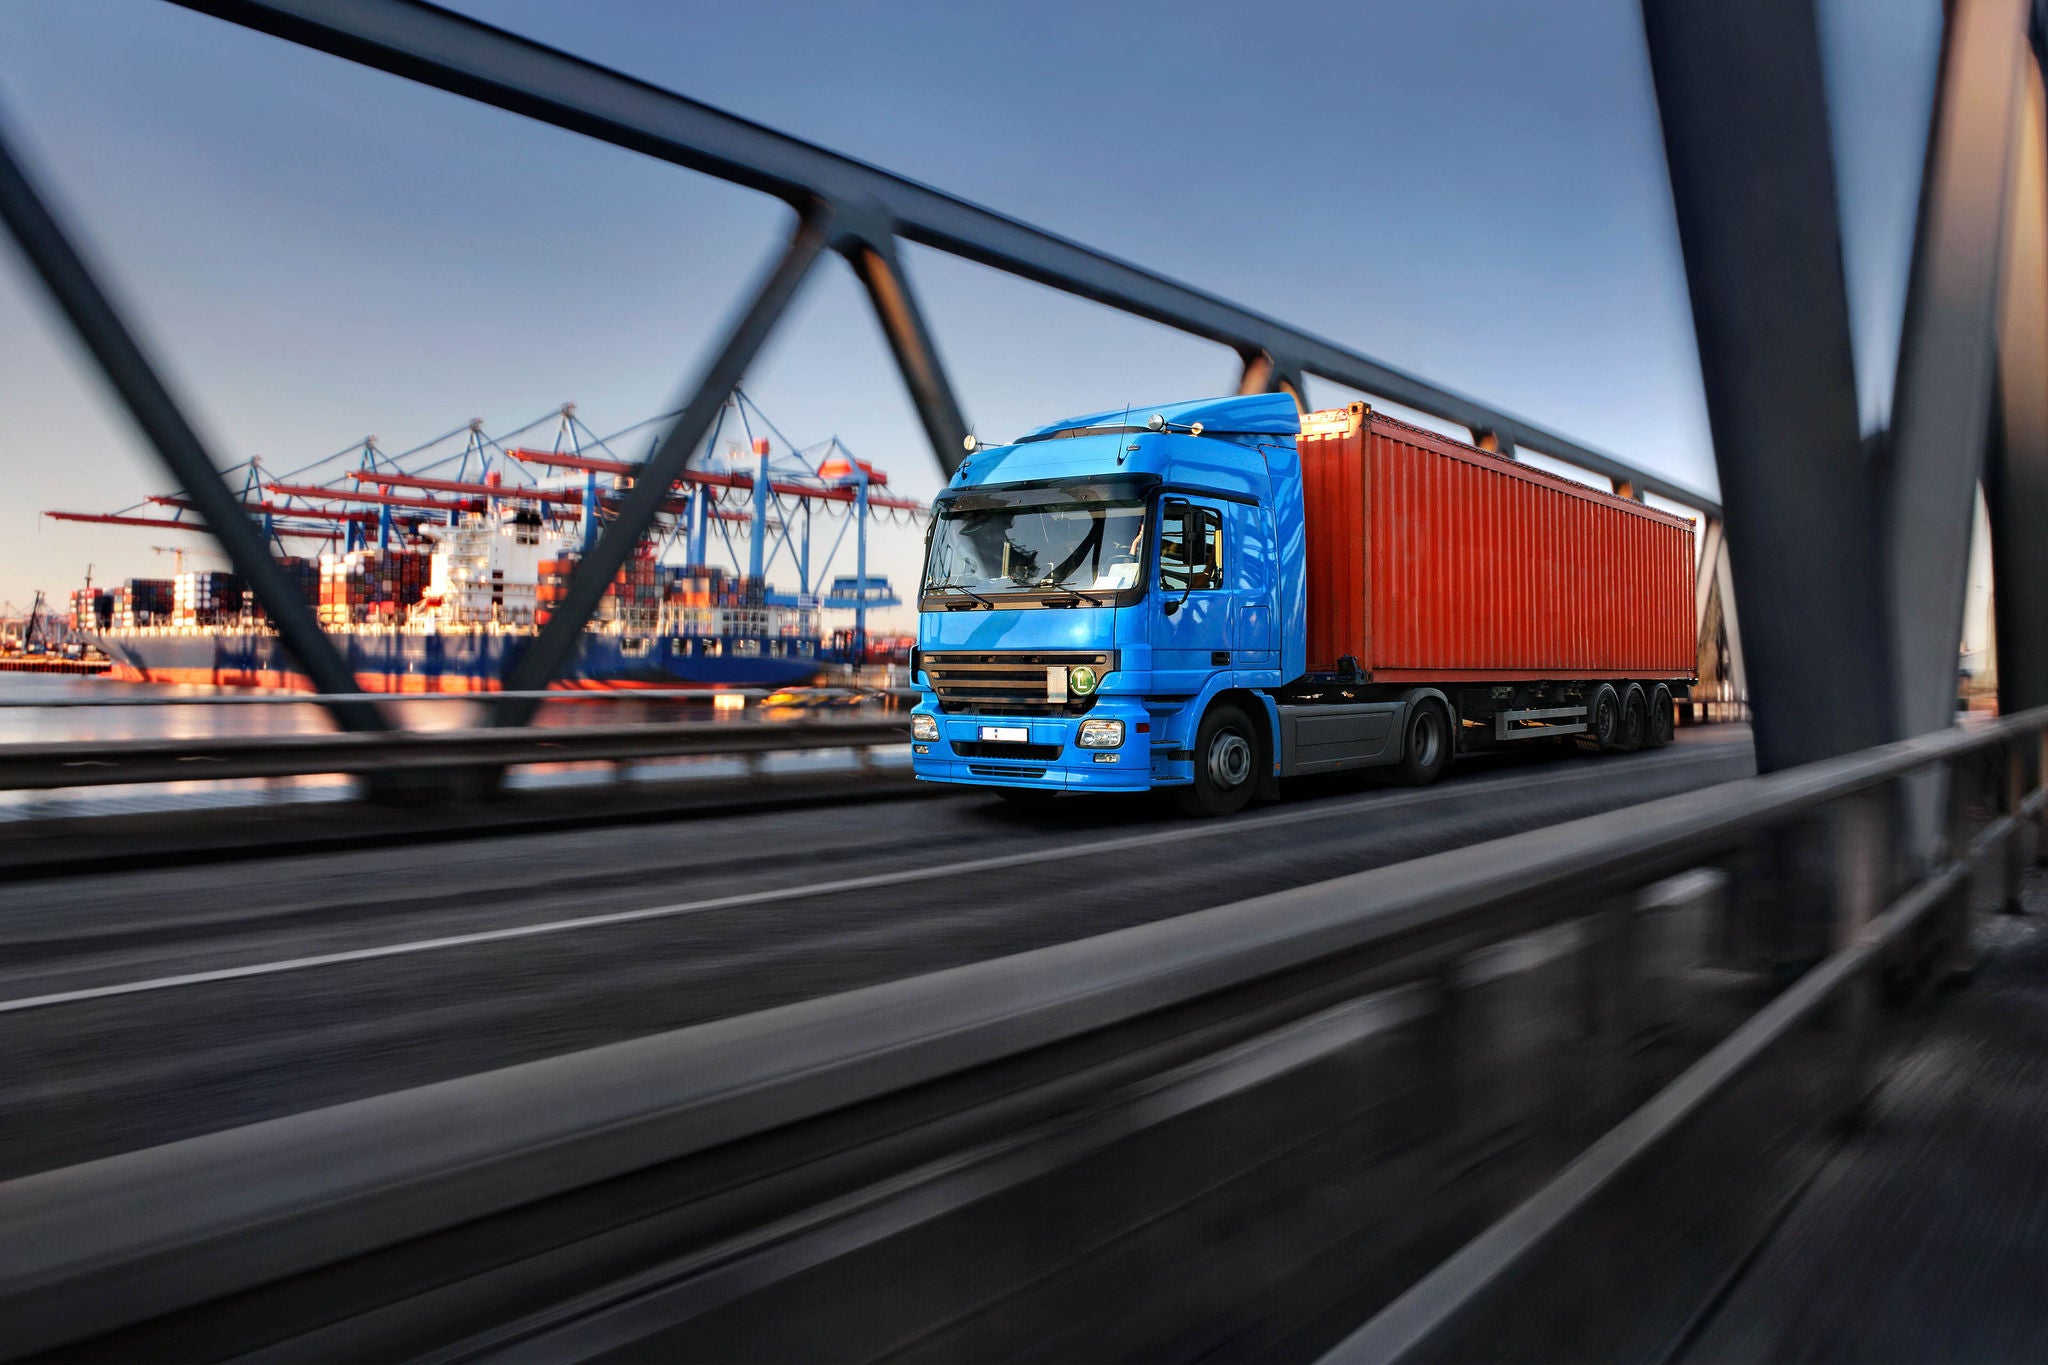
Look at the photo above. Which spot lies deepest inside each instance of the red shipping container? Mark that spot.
(1432, 560)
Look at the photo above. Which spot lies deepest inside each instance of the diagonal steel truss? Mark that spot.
(1854, 549)
(849, 207)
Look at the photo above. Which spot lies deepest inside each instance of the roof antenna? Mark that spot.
(1122, 430)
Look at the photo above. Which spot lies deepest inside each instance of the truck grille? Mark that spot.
(1010, 683)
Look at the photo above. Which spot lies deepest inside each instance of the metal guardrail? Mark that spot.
(102, 763)
(817, 1101)
(1460, 1304)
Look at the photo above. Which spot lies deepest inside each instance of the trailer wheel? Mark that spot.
(1603, 720)
(1660, 732)
(1226, 764)
(1425, 746)
(1635, 720)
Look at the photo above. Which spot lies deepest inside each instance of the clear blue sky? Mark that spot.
(1473, 190)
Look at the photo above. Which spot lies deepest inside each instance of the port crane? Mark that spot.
(751, 499)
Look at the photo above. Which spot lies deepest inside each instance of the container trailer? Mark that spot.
(1229, 593)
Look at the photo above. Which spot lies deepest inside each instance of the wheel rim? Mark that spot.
(1230, 759)
(1606, 721)
(1427, 741)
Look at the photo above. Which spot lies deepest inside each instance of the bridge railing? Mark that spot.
(105, 763)
(742, 1159)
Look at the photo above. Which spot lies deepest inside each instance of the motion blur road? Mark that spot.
(143, 1007)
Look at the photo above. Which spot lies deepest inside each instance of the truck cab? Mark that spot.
(1094, 588)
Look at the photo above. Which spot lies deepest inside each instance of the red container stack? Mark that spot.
(1429, 559)
(635, 595)
(371, 585)
(553, 588)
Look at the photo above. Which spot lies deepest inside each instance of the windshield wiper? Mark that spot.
(960, 587)
(1079, 596)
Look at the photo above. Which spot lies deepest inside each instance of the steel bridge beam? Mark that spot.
(458, 54)
(855, 208)
(71, 283)
(2016, 477)
(1741, 99)
(1265, 372)
(873, 256)
(1941, 405)
(539, 664)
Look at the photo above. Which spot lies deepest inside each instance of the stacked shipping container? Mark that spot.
(91, 609)
(634, 599)
(554, 586)
(205, 597)
(142, 602)
(371, 585)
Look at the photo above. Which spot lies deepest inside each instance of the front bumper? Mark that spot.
(1050, 762)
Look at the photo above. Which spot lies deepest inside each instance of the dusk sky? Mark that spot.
(1472, 190)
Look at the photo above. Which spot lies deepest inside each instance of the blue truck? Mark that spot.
(1118, 603)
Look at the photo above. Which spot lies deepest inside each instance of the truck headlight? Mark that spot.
(923, 727)
(1101, 734)
(1081, 680)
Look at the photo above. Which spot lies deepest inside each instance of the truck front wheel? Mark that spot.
(1226, 764)
(1426, 745)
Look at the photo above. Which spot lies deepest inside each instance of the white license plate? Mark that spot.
(1006, 734)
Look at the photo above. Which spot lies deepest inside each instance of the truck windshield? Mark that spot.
(985, 547)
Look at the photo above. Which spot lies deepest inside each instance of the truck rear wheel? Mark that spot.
(1635, 720)
(1603, 719)
(1425, 745)
(1226, 764)
(1661, 721)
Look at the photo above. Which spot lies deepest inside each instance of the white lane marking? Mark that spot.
(1304, 815)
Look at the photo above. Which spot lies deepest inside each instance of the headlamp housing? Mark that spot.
(1100, 734)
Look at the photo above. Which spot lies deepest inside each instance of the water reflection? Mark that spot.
(60, 718)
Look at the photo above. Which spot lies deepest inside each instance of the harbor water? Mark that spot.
(38, 709)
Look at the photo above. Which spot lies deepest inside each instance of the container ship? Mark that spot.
(457, 590)
(456, 618)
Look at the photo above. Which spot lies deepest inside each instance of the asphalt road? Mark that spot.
(143, 1007)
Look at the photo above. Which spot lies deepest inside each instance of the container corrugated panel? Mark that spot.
(1433, 560)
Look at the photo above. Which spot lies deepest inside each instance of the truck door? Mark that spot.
(1254, 635)
(1191, 618)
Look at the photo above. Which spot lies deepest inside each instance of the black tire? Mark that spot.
(1662, 721)
(1635, 720)
(1227, 755)
(1603, 720)
(1027, 798)
(1425, 745)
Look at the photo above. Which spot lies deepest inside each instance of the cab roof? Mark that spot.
(1263, 414)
